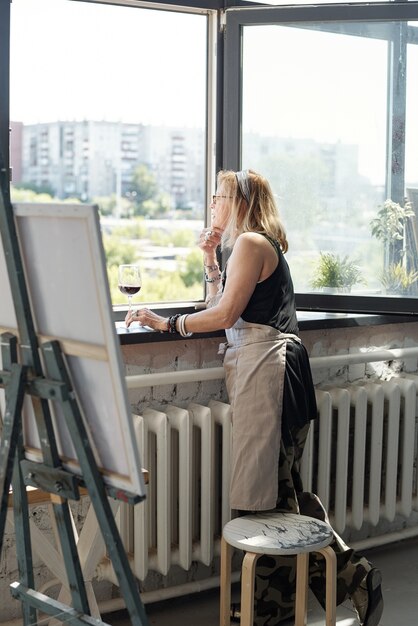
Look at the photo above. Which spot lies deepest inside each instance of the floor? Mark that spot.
(398, 563)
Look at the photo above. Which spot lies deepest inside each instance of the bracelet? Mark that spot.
(215, 279)
(211, 268)
(171, 324)
(182, 328)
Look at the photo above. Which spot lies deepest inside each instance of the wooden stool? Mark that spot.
(282, 534)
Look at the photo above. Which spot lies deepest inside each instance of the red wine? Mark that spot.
(129, 290)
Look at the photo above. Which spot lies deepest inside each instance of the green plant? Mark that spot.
(331, 270)
(191, 268)
(118, 251)
(397, 279)
(389, 225)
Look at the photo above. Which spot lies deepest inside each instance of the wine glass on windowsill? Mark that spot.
(129, 281)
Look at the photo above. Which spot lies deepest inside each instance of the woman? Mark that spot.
(269, 384)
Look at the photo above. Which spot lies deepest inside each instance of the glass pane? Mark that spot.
(109, 106)
(320, 134)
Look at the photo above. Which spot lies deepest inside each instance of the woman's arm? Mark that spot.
(245, 267)
(210, 239)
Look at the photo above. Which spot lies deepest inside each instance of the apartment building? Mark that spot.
(86, 159)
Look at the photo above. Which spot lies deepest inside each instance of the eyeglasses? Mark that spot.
(214, 198)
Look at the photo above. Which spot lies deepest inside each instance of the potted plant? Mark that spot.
(397, 279)
(335, 273)
(399, 275)
(389, 225)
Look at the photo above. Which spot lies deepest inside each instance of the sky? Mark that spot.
(327, 89)
(74, 60)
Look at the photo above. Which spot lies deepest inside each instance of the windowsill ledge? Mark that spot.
(308, 320)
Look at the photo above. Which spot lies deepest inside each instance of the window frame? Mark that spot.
(226, 19)
(236, 20)
(213, 140)
(4, 84)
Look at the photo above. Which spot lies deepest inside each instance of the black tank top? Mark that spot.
(273, 300)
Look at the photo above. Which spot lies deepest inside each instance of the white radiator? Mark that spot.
(187, 454)
(361, 456)
(360, 459)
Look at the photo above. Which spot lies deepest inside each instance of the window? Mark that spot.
(111, 102)
(335, 133)
(126, 118)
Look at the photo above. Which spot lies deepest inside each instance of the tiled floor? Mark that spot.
(398, 563)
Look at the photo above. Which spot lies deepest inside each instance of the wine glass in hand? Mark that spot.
(129, 281)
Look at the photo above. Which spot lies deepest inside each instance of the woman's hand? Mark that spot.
(145, 317)
(209, 240)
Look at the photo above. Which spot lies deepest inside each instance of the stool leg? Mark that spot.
(331, 585)
(225, 600)
(247, 588)
(301, 604)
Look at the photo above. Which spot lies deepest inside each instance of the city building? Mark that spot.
(89, 159)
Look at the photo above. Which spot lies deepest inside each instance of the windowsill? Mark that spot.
(315, 320)
(139, 334)
(308, 320)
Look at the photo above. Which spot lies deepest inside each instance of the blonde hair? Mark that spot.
(258, 214)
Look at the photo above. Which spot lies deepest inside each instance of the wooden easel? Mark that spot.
(40, 371)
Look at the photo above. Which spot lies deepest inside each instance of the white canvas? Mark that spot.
(64, 263)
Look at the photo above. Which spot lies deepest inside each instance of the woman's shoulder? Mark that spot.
(251, 243)
(252, 238)
(262, 241)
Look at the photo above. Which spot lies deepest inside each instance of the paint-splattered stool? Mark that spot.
(276, 534)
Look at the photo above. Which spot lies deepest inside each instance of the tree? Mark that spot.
(107, 204)
(143, 188)
(38, 189)
(145, 196)
(117, 251)
(191, 271)
(20, 194)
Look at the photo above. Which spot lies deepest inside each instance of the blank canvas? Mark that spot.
(65, 269)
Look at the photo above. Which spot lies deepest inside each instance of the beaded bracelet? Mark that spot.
(171, 324)
(215, 279)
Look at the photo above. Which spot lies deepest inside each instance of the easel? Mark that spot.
(41, 372)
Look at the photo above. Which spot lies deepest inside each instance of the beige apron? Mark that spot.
(255, 361)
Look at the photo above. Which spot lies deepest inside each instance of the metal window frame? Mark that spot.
(224, 88)
(4, 81)
(236, 20)
(181, 5)
(212, 9)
